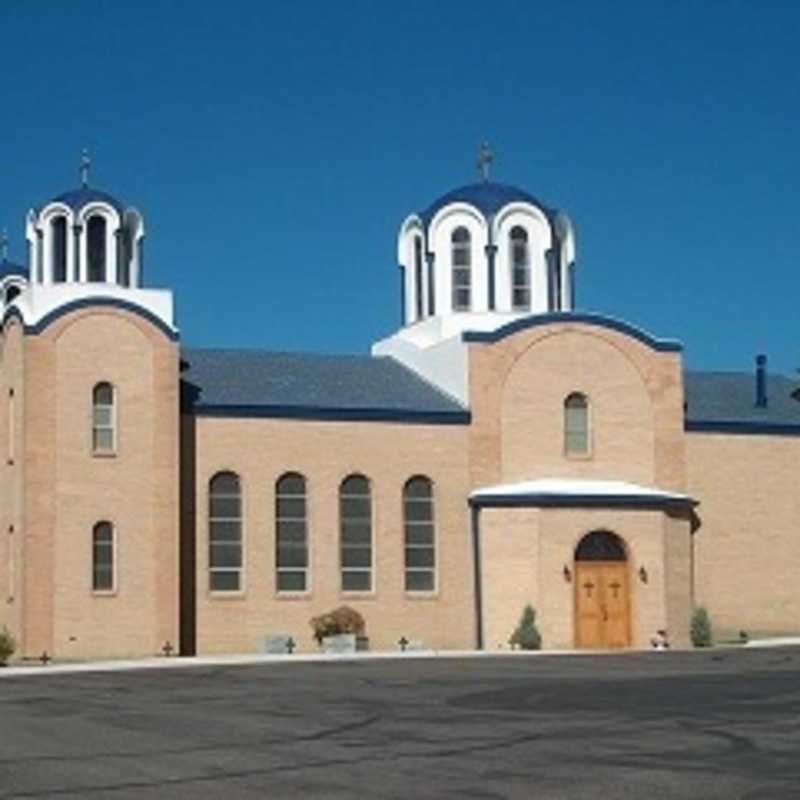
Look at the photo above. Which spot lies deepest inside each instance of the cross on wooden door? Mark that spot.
(588, 586)
(615, 587)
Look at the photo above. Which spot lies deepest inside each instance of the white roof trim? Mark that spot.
(564, 490)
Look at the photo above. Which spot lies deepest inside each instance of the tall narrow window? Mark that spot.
(355, 519)
(520, 269)
(58, 252)
(418, 276)
(103, 557)
(576, 425)
(225, 533)
(104, 420)
(291, 534)
(12, 428)
(420, 536)
(96, 249)
(461, 258)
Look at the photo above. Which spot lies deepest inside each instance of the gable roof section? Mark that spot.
(724, 402)
(262, 383)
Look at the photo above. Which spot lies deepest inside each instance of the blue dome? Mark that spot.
(79, 198)
(488, 197)
(8, 268)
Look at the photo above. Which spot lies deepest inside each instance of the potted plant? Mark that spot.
(7, 646)
(526, 635)
(340, 630)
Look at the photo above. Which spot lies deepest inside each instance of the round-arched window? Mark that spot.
(461, 258)
(601, 546)
(520, 269)
(96, 248)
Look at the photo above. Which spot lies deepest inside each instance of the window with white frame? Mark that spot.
(576, 425)
(225, 533)
(355, 521)
(104, 419)
(291, 533)
(58, 249)
(96, 249)
(461, 260)
(418, 298)
(420, 535)
(103, 557)
(520, 269)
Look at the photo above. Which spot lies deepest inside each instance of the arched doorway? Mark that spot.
(602, 592)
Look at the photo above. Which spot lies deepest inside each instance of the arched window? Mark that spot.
(104, 420)
(11, 293)
(420, 536)
(576, 425)
(418, 277)
(520, 269)
(355, 520)
(291, 534)
(103, 557)
(58, 249)
(461, 258)
(600, 546)
(224, 533)
(96, 248)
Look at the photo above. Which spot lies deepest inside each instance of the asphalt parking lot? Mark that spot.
(716, 724)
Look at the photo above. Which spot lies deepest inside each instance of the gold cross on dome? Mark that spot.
(485, 158)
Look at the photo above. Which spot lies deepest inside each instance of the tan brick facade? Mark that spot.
(66, 489)
(740, 556)
(747, 552)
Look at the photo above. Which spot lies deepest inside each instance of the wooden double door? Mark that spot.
(602, 604)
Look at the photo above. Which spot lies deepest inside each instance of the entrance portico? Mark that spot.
(605, 564)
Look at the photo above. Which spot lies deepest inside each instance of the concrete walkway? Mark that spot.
(177, 662)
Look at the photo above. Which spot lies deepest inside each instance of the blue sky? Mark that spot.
(275, 148)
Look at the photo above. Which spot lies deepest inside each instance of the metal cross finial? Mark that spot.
(485, 158)
(4, 245)
(86, 162)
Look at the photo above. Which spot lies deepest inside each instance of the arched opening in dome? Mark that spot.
(461, 260)
(11, 293)
(520, 269)
(58, 249)
(418, 277)
(96, 249)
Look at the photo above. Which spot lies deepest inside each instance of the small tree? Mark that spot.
(526, 635)
(700, 631)
(7, 646)
(341, 620)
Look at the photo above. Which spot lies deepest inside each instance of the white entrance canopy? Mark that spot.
(575, 492)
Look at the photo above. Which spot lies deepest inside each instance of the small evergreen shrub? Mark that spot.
(700, 630)
(7, 646)
(341, 620)
(526, 635)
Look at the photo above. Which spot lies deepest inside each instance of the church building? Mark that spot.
(500, 449)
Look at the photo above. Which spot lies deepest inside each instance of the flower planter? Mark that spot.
(341, 643)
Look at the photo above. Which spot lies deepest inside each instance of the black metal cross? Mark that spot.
(290, 645)
(403, 642)
(167, 649)
(44, 658)
(485, 158)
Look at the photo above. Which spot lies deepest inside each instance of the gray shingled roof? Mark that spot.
(300, 383)
(730, 397)
(368, 387)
